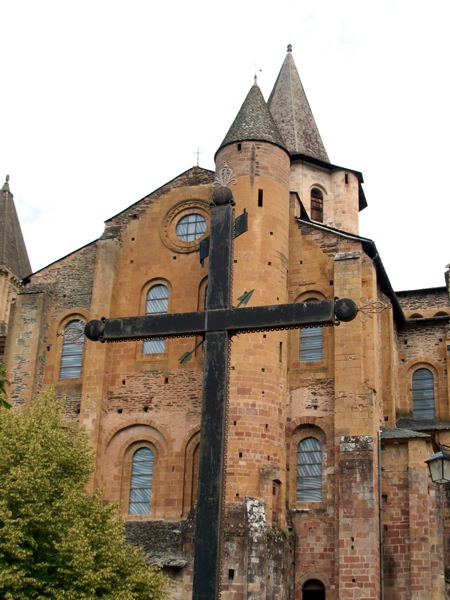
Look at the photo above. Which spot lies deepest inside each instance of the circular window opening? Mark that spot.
(191, 227)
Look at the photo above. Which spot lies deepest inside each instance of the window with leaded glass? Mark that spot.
(141, 482)
(72, 353)
(423, 394)
(309, 470)
(311, 344)
(157, 304)
(191, 227)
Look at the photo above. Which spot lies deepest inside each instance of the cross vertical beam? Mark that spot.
(214, 407)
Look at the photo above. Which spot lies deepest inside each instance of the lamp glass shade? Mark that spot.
(439, 466)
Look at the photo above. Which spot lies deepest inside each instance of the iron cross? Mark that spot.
(216, 325)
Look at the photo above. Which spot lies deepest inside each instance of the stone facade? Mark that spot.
(376, 528)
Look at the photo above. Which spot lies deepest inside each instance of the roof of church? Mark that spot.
(423, 424)
(395, 433)
(254, 122)
(292, 113)
(13, 252)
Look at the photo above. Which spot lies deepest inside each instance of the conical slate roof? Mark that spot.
(13, 252)
(254, 122)
(292, 113)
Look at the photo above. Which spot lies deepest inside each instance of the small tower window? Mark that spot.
(317, 205)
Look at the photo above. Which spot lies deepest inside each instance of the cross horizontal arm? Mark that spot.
(234, 320)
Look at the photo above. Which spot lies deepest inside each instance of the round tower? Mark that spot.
(256, 448)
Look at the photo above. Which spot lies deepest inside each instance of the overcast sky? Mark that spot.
(104, 101)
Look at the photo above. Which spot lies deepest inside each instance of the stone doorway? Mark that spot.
(313, 589)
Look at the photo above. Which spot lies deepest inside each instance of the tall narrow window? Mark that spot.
(317, 205)
(423, 394)
(157, 304)
(141, 482)
(72, 354)
(309, 470)
(260, 198)
(311, 344)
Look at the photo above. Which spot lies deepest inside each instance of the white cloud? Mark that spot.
(102, 102)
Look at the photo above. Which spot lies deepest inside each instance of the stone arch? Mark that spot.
(191, 458)
(201, 302)
(312, 294)
(313, 589)
(320, 187)
(120, 446)
(201, 305)
(126, 424)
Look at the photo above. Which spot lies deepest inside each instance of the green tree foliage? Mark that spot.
(3, 383)
(57, 541)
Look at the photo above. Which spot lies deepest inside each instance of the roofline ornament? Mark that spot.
(371, 307)
(225, 177)
(223, 195)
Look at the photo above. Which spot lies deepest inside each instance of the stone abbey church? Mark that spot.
(327, 494)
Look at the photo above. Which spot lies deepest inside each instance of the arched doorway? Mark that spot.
(313, 589)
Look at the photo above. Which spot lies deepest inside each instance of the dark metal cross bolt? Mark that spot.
(216, 325)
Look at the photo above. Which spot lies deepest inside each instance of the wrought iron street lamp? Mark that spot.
(439, 466)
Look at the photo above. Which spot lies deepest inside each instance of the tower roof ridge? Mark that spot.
(292, 113)
(13, 252)
(254, 122)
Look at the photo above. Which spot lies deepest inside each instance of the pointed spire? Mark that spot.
(254, 122)
(13, 252)
(292, 113)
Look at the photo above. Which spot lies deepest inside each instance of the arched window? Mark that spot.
(309, 470)
(313, 589)
(423, 394)
(72, 353)
(157, 304)
(141, 482)
(317, 205)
